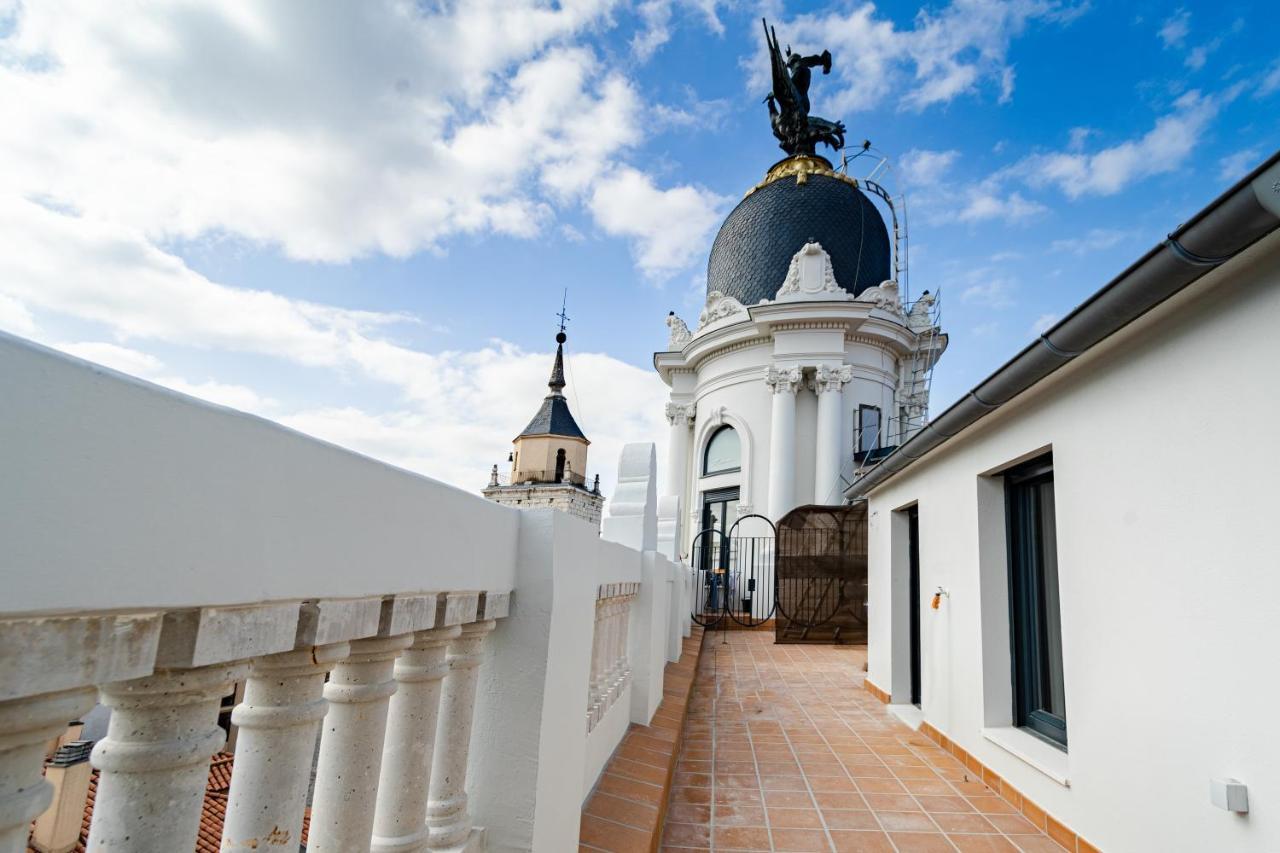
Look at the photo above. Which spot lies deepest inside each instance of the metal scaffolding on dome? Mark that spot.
(821, 570)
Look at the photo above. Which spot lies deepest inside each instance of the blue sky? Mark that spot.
(359, 220)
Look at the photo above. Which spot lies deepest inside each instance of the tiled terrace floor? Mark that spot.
(783, 750)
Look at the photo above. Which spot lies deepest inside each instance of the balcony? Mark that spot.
(451, 673)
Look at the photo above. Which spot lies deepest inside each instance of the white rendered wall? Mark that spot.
(1166, 462)
(130, 495)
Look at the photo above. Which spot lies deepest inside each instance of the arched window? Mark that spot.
(560, 465)
(724, 452)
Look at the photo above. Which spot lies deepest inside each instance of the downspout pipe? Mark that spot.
(1231, 223)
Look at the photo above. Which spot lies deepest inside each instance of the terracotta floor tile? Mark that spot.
(983, 843)
(968, 822)
(739, 815)
(921, 842)
(931, 803)
(1012, 824)
(797, 818)
(861, 842)
(803, 840)
(614, 837)
(741, 838)
(906, 821)
(892, 802)
(850, 819)
(839, 800)
(788, 799)
(622, 810)
(790, 727)
(686, 835)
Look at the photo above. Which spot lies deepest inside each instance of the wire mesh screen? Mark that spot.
(821, 567)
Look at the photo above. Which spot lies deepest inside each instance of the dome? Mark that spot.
(800, 201)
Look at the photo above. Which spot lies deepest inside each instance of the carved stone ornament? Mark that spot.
(831, 378)
(810, 277)
(680, 414)
(787, 380)
(718, 307)
(884, 295)
(680, 334)
(921, 316)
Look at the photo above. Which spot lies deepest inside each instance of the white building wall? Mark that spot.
(1166, 463)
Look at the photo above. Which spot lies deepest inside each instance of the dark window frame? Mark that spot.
(1029, 620)
(859, 452)
(706, 453)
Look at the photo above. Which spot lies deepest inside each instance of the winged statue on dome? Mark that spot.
(796, 130)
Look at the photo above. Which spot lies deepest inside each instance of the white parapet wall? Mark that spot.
(154, 545)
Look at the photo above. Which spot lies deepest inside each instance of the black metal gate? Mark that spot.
(734, 574)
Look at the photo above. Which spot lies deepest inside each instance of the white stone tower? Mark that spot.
(805, 362)
(549, 458)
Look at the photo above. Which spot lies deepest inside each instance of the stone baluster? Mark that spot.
(26, 727)
(399, 824)
(595, 692)
(351, 746)
(447, 818)
(154, 761)
(278, 722)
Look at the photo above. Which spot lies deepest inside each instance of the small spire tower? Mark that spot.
(549, 457)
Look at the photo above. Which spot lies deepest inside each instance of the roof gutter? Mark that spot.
(1233, 222)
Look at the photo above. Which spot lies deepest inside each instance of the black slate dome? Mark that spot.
(751, 254)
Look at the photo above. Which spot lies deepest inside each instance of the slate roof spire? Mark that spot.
(554, 417)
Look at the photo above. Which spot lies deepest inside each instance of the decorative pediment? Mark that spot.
(884, 295)
(810, 277)
(718, 308)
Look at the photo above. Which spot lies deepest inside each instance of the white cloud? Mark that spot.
(923, 168)
(656, 16)
(457, 411)
(332, 133)
(1173, 32)
(1162, 149)
(1235, 166)
(1096, 240)
(15, 318)
(943, 54)
(1043, 323)
(942, 201)
(984, 203)
(670, 228)
(1271, 82)
(989, 289)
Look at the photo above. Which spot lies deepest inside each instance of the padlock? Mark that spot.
(937, 600)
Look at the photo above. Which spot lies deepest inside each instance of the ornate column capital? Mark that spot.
(831, 378)
(680, 414)
(785, 380)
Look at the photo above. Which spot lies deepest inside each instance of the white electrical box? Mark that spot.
(1229, 794)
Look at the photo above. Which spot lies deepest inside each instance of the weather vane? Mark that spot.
(796, 130)
(564, 304)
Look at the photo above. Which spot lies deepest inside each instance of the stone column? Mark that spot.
(782, 440)
(351, 746)
(278, 722)
(680, 416)
(155, 758)
(26, 727)
(829, 384)
(447, 817)
(400, 820)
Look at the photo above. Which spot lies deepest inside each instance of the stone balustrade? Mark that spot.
(610, 669)
(413, 660)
